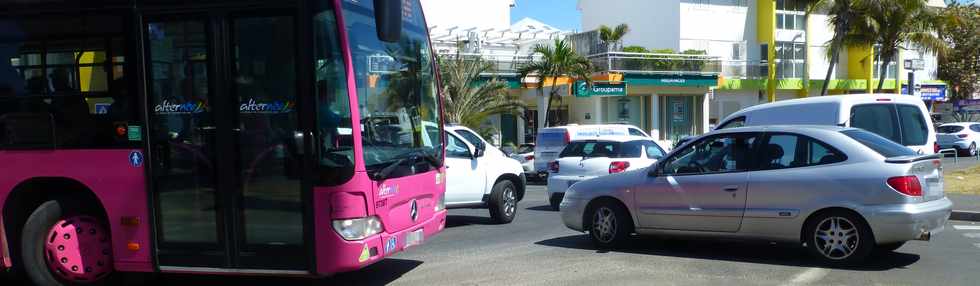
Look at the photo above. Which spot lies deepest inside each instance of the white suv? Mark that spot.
(479, 175)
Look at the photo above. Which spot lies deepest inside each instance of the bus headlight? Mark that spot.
(357, 228)
(441, 204)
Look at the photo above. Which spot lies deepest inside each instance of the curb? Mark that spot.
(965, 215)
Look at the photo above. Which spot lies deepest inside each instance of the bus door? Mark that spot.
(226, 141)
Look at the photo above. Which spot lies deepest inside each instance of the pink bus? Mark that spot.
(259, 137)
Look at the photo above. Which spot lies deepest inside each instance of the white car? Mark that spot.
(585, 159)
(551, 140)
(900, 118)
(525, 155)
(479, 175)
(962, 136)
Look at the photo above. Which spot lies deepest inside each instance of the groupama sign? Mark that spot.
(598, 88)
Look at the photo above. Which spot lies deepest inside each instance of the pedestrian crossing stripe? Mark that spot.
(967, 227)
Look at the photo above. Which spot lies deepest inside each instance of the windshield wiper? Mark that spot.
(414, 156)
(386, 171)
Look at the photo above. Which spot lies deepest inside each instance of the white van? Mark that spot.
(901, 118)
(552, 140)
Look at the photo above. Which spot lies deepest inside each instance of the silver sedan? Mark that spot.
(840, 192)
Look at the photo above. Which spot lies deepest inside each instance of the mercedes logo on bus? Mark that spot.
(415, 211)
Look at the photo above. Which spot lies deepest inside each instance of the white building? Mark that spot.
(484, 28)
(743, 34)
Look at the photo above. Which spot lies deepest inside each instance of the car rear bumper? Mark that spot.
(558, 183)
(895, 223)
(958, 145)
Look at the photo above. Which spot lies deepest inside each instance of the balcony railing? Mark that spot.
(744, 69)
(651, 63)
(502, 65)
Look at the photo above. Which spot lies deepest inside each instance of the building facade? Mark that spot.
(689, 64)
(743, 35)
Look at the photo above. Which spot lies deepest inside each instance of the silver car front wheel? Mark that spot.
(604, 225)
(609, 223)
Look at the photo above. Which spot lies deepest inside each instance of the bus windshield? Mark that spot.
(396, 91)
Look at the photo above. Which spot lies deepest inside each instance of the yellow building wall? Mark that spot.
(767, 35)
(860, 61)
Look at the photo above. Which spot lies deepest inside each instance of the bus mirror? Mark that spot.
(388, 19)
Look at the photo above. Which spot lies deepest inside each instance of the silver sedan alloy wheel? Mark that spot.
(836, 238)
(604, 224)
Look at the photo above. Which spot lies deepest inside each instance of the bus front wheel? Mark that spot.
(62, 245)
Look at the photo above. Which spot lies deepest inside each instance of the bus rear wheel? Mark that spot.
(63, 246)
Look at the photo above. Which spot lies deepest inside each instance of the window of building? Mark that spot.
(790, 59)
(891, 71)
(790, 15)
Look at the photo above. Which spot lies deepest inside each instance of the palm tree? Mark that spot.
(469, 100)
(613, 37)
(894, 23)
(556, 62)
(841, 13)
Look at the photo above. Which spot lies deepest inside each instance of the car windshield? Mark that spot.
(592, 149)
(948, 129)
(551, 139)
(879, 144)
(396, 88)
(525, 149)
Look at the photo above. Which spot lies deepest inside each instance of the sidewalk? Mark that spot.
(965, 207)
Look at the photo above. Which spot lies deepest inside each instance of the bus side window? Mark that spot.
(66, 80)
(24, 130)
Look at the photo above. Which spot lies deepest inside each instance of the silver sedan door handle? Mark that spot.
(730, 188)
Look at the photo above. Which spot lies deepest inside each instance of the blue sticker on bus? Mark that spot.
(391, 244)
(102, 108)
(136, 158)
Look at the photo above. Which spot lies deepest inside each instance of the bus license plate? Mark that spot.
(414, 238)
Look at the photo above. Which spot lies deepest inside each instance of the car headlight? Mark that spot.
(441, 203)
(357, 228)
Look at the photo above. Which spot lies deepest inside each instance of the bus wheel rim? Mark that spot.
(78, 249)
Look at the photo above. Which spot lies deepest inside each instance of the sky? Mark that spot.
(560, 14)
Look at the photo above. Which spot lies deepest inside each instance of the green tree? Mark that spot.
(662, 64)
(841, 13)
(469, 96)
(557, 61)
(959, 27)
(613, 37)
(634, 63)
(691, 64)
(891, 24)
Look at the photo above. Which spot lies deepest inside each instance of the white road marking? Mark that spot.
(977, 245)
(809, 276)
(972, 235)
(967, 227)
